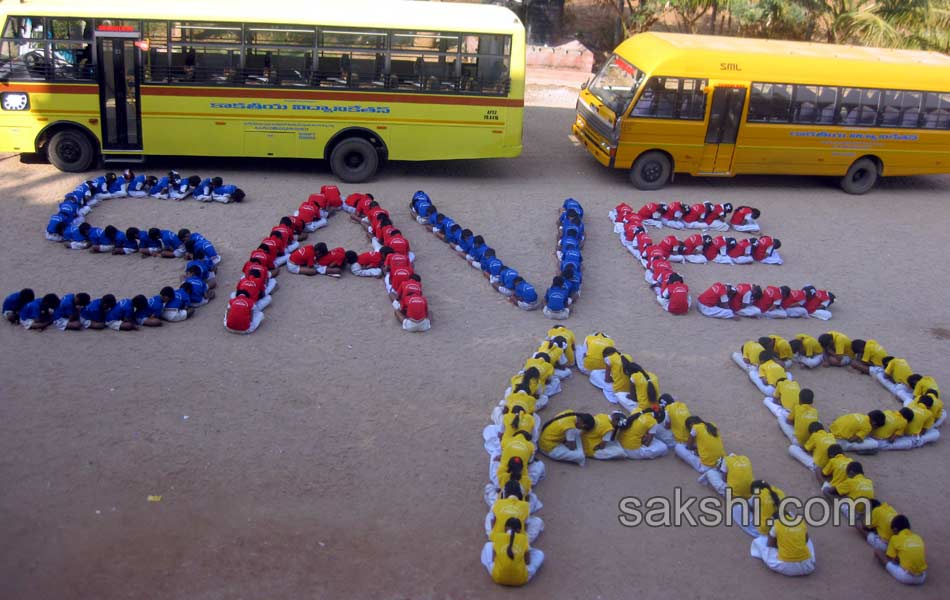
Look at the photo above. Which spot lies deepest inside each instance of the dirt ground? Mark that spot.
(333, 455)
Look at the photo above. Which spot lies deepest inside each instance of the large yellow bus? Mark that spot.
(352, 82)
(719, 106)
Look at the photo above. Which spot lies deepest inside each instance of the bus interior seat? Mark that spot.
(910, 117)
(890, 116)
(806, 112)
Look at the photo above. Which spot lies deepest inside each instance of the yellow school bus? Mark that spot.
(719, 106)
(352, 82)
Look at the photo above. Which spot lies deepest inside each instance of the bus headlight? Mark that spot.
(15, 101)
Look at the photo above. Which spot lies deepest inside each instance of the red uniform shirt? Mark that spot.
(398, 275)
(296, 224)
(761, 249)
(712, 250)
(416, 307)
(739, 216)
(623, 209)
(264, 257)
(396, 260)
(363, 204)
(795, 298)
(399, 244)
(668, 244)
(657, 252)
(333, 258)
(817, 301)
(250, 286)
(353, 199)
(408, 288)
(649, 211)
(274, 246)
(263, 275)
(370, 260)
(332, 194)
(308, 213)
(691, 243)
(659, 265)
(674, 211)
(716, 212)
(771, 298)
(374, 213)
(643, 240)
(743, 296)
(318, 200)
(252, 265)
(696, 213)
(303, 256)
(678, 295)
(741, 248)
(239, 313)
(714, 295)
(629, 227)
(383, 233)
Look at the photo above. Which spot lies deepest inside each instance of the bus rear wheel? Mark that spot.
(861, 177)
(71, 151)
(354, 160)
(651, 170)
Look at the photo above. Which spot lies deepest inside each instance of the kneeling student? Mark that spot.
(413, 313)
(636, 435)
(508, 557)
(15, 302)
(511, 504)
(66, 315)
(905, 557)
(560, 437)
(787, 549)
(38, 313)
(241, 315)
(94, 315)
(177, 305)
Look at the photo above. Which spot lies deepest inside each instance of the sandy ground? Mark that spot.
(333, 455)
(554, 88)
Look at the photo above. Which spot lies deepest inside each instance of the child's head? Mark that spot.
(857, 347)
(110, 232)
(82, 299)
(899, 524)
(907, 413)
(786, 291)
(557, 282)
(154, 233)
(286, 221)
(816, 426)
(756, 213)
(416, 277)
(517, 280)
(350, 257)
(478, 241)
(140, 302)
(84, 228)
(913, 379)
(193, 181)
(128, 174)
(60, 227)
(184, 234)
(26, 296)
(243, 293)
(806, 396)
(776, 243)
(167, 293)
(320, 249)
(827, 341)
(193, 271)
(877, 418)
(854, 468)
(238, 195)
(834, 450)
(796, 346)
(674, 278)
(187, 287)
(490, 253)
(466, 234)
(108, 302)
(49, 302)
(110, 178)
(151, 180)
(216, 182)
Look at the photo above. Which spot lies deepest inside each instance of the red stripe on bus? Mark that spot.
(338, 96)
(51, 88)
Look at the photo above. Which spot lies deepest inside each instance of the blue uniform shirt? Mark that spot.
(116, 186)
(477, 252)
(198, 289)
(69, 209)
(525, 292)
(572, 203)
(122, 311)
(432, 216)
(204, 188)
(147, 242)
(453, 237)
(493, 266)
(94, 312)
(137, 184)
(99, 185)
(96, 236)
(556, 298)
(466, 245)
(53, 222)
(31, 310)
(203, 264)
(11, 302)
(160, 187)
(444, 225)
(571, 256)
(204, 249)
(72, 234)
(508, 276)
(170, 240)
(569, 243)
(225, 190)
(66, 308)
(573, 284)
(180, 300)
(154, 309)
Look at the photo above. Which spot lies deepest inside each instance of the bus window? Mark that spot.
(71, 51)
(429, 61)
(805, 104)
(659, 98)
(280, 35)
(616, 84)
(22, 50)
(206, 33)
(205, 64)
(936, 113)
(343, 69)
(484, 63)
(848, 110)
(155, 36)
(910, 108)
(692, 99)
(770, 103)
(338, 38)
(827, 101)
(870, 103)
(890, 113)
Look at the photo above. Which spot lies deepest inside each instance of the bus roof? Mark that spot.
(782, 61)
(395, 14)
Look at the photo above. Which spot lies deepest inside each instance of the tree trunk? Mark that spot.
(715, 13)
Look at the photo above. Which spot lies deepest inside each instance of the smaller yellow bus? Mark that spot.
(717, 106)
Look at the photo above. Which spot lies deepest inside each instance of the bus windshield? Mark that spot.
(616, 84)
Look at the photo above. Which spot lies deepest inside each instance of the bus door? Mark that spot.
(724, 118)
(119, 66)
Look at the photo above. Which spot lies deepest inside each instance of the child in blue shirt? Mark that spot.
(184, 188)
(16, 301)
(525, 297)
(477, 251)
(557, 300)
(103, 240)
(198, 292)
(56, 227)
(572, 279)
(127, 242)
(120, 187)
(201, 269)
(121, 317)
(225, 193)
(506, 281)
(160, 188)
(76, 237)
(172, 246)
(491, 266)
(140, 185)
(66, 316)
(201, 248)
(177, 306)
(148, 311)
(69, 209)
(465, 242)
(150, 242)
(38, 314)
(202, 191)
(94, 315)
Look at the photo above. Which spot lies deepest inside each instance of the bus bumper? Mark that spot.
(602, 151)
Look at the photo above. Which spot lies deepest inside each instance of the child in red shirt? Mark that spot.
(744, 219)
(413, 313)
(241, 316)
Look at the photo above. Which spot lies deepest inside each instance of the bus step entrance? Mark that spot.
(137, 159)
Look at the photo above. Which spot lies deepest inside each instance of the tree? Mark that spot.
(689, 12)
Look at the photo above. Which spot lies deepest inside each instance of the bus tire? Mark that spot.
(861, 176)
(651, 170)
(71, 150)
(354, 160)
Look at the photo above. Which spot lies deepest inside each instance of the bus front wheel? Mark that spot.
(861, 177)
(71, 151)
(651, 171)
(354, 160)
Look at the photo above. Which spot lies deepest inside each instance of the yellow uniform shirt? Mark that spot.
(678, 412)
(590, 439)
(894, 424)
(766, 508)
(908, 548)
(836, 468)
(596, 344)
(507, 508)
(936, 409)
(751, 351)
(545, 368)
(631, 438)
(810, 345)
(507, 570)
(556, 432)
(873, 353)
(792, 541)
(552, 350)
(517, 447)
(525, 422)
(787, 392)
(856, 487)
(771, 372)
(522, 399)
(853, 425)
(708, 446)
(842, 344)
(621, 383)
(926, 383)
(568, 336)
(923, 419)
(504, 476)
(802, 416)
(818, 444)
(532, 387)
(881, 517)
(781, 347)
(640, 382)
(898, 370)
(739, 475)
